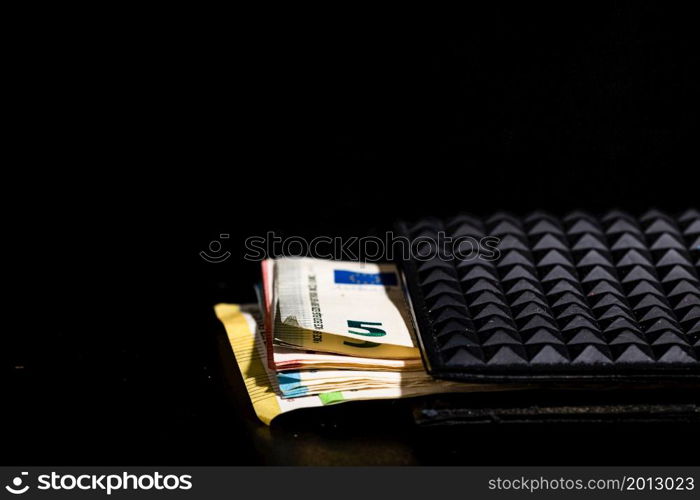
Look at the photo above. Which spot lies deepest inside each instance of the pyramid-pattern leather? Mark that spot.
(609, 296)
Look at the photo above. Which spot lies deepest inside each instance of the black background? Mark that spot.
(309, 123)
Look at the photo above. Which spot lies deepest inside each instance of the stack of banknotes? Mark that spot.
(327, 332)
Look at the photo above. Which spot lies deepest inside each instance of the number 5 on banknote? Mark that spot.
(372, 330)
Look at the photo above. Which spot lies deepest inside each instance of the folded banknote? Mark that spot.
(346, 308)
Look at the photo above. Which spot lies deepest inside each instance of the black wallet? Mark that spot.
(552, 299)
(598, 315)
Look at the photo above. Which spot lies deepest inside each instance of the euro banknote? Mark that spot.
(346, 308)
(295, 358)
(309, 382)
(285, 359)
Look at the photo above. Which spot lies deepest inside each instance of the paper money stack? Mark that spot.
(332, 332)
